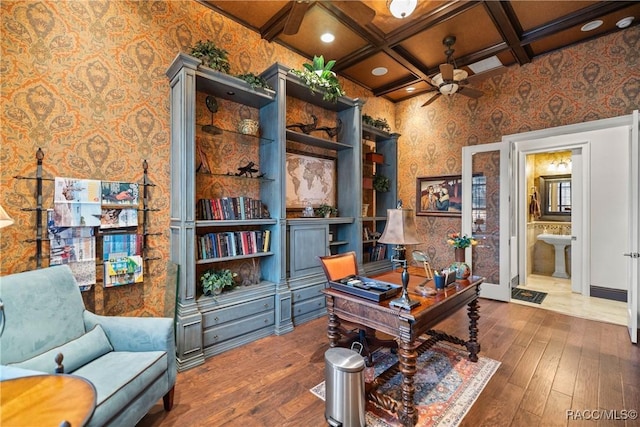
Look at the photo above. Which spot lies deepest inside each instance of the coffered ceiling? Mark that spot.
(368, 36)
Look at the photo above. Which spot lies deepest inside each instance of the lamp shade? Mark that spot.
(400, 228)
(5, 219)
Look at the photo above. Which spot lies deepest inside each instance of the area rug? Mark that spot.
(527, 295)
(447, 384)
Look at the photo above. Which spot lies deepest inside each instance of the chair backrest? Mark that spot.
(339, 266)
(42, 310)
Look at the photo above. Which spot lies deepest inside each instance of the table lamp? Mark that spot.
(400, 230)
(5, 219)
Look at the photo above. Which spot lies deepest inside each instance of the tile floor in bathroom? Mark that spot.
(562, 300)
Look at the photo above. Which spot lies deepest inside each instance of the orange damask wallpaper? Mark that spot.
(85, 81)
(594, 80)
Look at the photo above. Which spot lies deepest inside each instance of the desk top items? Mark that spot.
(460, 243)
(400, 230)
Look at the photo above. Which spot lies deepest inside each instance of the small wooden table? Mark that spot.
(46, 400)
(406, 326)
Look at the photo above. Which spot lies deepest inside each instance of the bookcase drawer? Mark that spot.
(306, 293)
(234, 312)
(314, 304)
(218, 334)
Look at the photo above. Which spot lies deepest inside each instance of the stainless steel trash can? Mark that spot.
(344, 388)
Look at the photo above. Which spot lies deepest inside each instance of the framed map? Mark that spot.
(310, 180)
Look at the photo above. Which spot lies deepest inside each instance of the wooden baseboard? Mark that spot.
(608, 293)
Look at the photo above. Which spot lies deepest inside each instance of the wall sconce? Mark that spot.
(562, 165)
(401, 8)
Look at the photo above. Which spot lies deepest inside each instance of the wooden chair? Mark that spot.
(337, 267)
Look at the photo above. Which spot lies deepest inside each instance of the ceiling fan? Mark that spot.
(450, 79)
(358, 11)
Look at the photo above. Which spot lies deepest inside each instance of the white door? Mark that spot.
(486, 187)
(634, 232)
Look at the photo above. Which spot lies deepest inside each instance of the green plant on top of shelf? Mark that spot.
(379, 123)
(325, 210)
(319, 77)
(254, 80)
(215, 281)
(211, 55)
(381, 183)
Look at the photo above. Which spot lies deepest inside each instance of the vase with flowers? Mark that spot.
(460, 243)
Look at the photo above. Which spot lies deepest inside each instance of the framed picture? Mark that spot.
(310, 180)
(439, 195)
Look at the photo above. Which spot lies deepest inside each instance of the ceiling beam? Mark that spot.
(508, 28)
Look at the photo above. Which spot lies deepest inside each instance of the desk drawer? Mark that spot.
(234, 312)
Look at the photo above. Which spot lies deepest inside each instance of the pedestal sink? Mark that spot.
(559, 242)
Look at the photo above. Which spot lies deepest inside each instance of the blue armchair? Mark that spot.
(131, 361)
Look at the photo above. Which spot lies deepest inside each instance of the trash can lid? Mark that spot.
(344, 359)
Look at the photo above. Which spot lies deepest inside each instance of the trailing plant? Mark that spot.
(325, 209)
(319, 77)
(214, 281)
(254, 80)
(380, 123)
(211, 55)
(381, 183)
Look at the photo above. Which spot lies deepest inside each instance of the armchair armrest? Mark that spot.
(138, 334)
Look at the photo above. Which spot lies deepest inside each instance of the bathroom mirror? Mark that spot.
(555, 197)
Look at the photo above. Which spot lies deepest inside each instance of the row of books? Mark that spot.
(377, 252)
(233, 243)
(229, 208)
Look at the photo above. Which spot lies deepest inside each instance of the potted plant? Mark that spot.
(254, 80)
(379, 123)
(381, 183)
(214, 281)
(319, 77)
(211, 56)
(326, 210)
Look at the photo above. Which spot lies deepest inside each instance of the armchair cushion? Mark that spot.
(77, 353)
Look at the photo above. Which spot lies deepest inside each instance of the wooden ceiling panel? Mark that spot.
(362, 71)
(575, 35)
(473, 29)
(402, 94)
(532, 14)
(316, 22)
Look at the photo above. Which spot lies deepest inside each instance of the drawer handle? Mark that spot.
(266, 320)
(215, 318)
(215, 337)
(266, 305)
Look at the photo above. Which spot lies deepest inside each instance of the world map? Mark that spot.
(309, 180)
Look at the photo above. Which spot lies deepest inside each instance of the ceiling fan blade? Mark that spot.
(447, 71)
(296, 14)
(470, 92)
(358, 11)
(433, 98)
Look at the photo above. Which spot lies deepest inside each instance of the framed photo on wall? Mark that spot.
(439, 195)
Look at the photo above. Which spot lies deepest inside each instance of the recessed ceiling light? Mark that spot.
(485, 65)
(411, 89)
(625, 22)
(379, 71)
(591, 25)
(327, 37)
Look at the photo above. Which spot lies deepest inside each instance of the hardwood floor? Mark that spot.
(551, 363)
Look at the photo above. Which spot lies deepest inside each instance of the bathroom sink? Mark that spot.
(559, 242)
(555, 239)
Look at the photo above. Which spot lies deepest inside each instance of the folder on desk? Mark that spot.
(366, 287)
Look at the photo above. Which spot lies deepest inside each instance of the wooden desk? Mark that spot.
(406, 326)
(46, 400)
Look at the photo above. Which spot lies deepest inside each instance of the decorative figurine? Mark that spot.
(247, 170)
(305, 128)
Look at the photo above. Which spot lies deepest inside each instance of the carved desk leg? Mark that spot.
(473, 346)
(333, 331)
(407, 357)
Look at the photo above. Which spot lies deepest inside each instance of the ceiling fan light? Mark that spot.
(401, 8)
(449, 89)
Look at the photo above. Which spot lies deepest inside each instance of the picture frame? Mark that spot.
(310, 180)
(439, 195)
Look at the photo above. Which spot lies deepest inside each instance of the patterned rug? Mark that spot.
(447, 384)
(528, 295)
